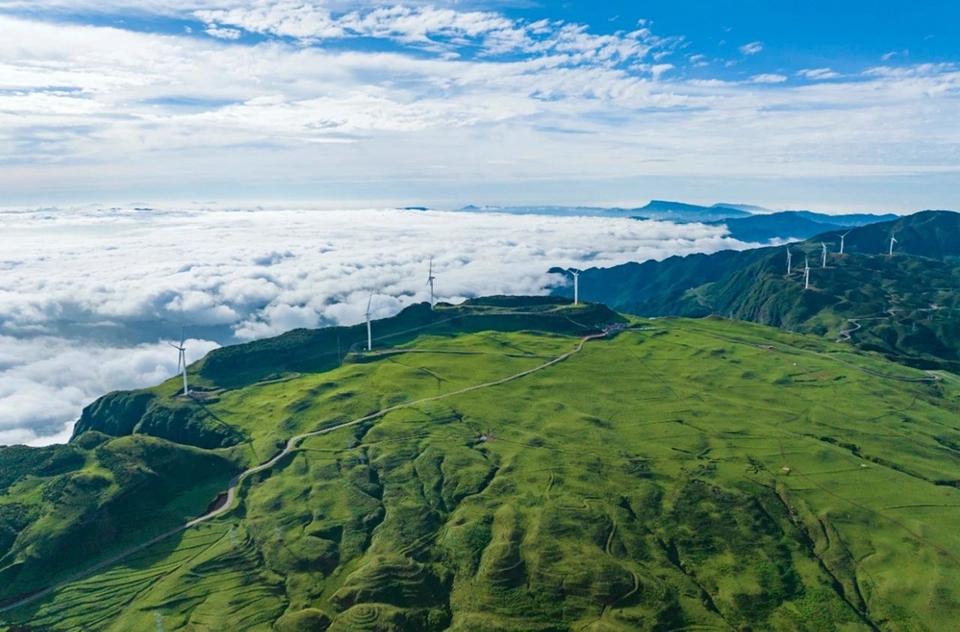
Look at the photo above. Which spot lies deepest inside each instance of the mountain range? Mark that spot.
(743, 221)
(904, 305)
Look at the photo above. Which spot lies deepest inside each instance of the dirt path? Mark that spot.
(846, 333)
(292, 444)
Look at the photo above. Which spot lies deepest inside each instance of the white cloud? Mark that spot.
(455, 98)
(752, 48)
(301, 20)
(818, 74)
(439, 29)
(222, 33)
(86, 295)
(768, 78)
(658, 70)
(47, 380)
(895, 53)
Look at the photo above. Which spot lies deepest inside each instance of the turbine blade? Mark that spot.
(183, 334)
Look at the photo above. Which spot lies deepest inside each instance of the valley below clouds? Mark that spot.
(89, 298)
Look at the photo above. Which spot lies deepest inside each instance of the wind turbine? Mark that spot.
(576, 286)
(824, 264)
(893, 240)
(182, 361)
(789, 261)
(369, 330)
(430, 280)
(843, 237)
(806, 273)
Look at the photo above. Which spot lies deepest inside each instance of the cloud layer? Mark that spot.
(282, 99)
(86, 296)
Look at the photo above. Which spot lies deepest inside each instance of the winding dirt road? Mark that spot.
(292, 444)
(846, 333)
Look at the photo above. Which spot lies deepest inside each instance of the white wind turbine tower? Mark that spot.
(789, 261)
(182, 362)
(369, 329)
(893, 240)
(430, 280)
(576, 286)
(824, 264)
(843, 238)
(806, 273)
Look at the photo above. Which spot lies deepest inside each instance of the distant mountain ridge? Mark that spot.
(682, 212)
(793, 224)
(745, 222)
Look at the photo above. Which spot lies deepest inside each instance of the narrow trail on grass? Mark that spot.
(846, 333)
(292, 444)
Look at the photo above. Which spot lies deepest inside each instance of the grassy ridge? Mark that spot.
(687, 475)
(158, 412)
(905, 306)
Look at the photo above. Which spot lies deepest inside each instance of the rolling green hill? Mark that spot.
(904, 306)
(497, 470)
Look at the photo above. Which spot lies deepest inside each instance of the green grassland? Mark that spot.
(679, 475)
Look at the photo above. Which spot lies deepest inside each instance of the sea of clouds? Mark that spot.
(89, 298)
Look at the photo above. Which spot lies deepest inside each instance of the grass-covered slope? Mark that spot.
(160, 413)
(904, 306)
(698, 475)
(63, 507)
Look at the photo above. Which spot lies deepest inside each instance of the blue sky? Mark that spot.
(832, 106)
(796, 34)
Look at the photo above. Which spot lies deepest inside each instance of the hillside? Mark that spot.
(904, 306)
(673, 474)
(155, 412)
